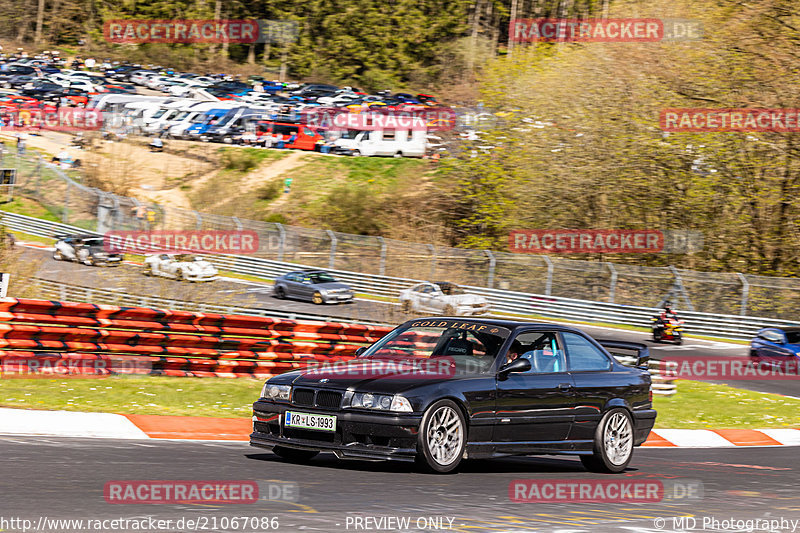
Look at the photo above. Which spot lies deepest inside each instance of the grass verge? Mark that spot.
(700, 405)
(696, 405)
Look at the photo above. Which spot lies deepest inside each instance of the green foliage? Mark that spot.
(270, 191)
(246, 159)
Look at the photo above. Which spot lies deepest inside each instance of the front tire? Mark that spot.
(406, 306)
(442, 437)
(280, 293)
(57, 256)
(613, 443)
(450, 311)
(294, 456)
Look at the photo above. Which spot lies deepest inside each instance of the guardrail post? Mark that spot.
(238, 223)
(548, 287)
(433, 261)
(332, 259)
(282, 231)
(382, 265)
(492, 264)
(199, 218)
(613, 285)
(745, 293)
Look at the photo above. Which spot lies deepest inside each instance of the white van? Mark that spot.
(160, 118)
(395, 143)
(178, 128)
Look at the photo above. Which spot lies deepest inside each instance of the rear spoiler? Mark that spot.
(642, 350)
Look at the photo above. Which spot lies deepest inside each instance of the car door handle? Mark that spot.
(564, 386)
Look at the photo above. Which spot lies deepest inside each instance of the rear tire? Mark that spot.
(442, 437)
(280, 293)
(613, 443)
(294, 456)
(317, 298)
(57, 256)
(450, 311)
(406, 306)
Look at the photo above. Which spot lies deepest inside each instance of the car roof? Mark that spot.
(791, 329)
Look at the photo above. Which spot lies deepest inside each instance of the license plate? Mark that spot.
(309, 421)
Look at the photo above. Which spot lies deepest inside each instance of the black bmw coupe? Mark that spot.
(439, 390)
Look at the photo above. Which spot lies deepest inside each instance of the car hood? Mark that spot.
(793, 347)
(361, 378)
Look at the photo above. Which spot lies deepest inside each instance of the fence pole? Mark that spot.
(282, 231)
(613, 285)
(681, 288)
(745, 293)
(549, 283)
(382, 265)
(492, 264)
(238, 223)
(64, 215)
(433, 261)
(332, 259)
(199, 217)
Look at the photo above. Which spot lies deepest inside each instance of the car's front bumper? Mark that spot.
(358, 435)
(337, 298)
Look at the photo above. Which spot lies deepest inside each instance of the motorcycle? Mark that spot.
(671, 331)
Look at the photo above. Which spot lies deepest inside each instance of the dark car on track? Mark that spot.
(437, 390)
(87, 249)
(776, 346)
(315, 286)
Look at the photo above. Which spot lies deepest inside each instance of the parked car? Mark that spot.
(86, 249)
(776, 346)
(492, 388)
(315, 286)
(442, 297)
(183, 267)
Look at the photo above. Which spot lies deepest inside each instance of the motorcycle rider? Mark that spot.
(667, 316)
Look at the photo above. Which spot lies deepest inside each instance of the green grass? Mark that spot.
(700, 405)
(696, 405)
(147, 395)
(30, 208)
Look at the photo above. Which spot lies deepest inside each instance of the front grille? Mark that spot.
(303, 397)
(329, 399)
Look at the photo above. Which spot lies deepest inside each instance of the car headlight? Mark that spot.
(276, 392)
(380, 402)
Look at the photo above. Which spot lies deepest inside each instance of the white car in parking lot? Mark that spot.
(179, 266)
(442, 297)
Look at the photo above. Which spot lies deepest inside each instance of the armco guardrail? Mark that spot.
(503, 301)
(78, 338)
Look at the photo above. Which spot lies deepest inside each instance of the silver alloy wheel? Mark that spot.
(618, 438)
(445, 435)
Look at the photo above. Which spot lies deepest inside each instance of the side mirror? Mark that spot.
(361, 350)
(517, 365)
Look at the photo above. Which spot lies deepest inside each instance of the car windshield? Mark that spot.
(470, 346)
(321, 277)
(793, 337)
(94, 242)
(450, 289)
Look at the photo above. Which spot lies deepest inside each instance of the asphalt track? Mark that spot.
(127, 278)
(61, 478)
